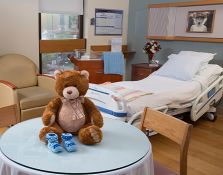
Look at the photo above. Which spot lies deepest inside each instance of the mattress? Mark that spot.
(165, 92)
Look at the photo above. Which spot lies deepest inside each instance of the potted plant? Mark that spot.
(150, 48)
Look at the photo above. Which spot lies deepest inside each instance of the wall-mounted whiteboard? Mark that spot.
(108, 22)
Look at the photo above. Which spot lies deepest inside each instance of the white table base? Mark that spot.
(143, 167)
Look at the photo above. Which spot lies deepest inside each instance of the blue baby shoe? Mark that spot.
(53, 143)
(68, 142)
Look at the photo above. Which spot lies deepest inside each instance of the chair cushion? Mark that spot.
(33, 97)
(162, 170)
(19, 70)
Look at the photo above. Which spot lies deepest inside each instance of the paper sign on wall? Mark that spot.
(116, 44)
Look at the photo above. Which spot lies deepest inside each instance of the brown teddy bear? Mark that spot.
(71, 112)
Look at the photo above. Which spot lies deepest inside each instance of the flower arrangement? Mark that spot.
(150, 48)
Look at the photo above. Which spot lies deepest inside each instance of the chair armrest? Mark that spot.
(9, 115)
(9, 84)
(47, 83)
(8, 93)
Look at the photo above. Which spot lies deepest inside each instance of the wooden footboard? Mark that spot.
(8, 116)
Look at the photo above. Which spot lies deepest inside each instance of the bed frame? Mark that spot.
(112, 105)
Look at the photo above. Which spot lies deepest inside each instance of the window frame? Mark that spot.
(61, 45)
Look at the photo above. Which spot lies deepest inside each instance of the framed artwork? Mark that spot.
(201, 21)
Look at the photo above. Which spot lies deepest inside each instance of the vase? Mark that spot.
(150, 58)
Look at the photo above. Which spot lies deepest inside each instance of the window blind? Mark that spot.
(61, 6)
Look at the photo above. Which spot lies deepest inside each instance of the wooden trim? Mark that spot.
(181, 38)
(91, 62)
(104, 48)
(8, 116)
(170, 38)
(51, 46)
(184, 4)
(8, 84)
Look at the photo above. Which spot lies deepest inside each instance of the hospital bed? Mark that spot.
(198, 96)
(112, 105)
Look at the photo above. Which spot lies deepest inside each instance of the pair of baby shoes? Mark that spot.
(54, 146)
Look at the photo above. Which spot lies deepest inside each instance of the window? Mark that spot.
(58, 35)
(55, 61)
(59, 26)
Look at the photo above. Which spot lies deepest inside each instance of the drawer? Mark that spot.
(138, 74)
(97, 76)
(143, 72)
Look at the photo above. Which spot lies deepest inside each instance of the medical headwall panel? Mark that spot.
(170, 21)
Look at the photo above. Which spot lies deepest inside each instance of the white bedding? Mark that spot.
(166, 91)
(171, 92)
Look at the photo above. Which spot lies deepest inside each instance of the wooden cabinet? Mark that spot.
(142, 70)
(95, 67)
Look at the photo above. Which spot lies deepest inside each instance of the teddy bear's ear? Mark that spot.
(85, 73)
(57, 72)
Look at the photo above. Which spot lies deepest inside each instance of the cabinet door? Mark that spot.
(97, 76)
(140, 73)
(112, 78)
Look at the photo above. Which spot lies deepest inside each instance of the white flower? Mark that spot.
(153, 51)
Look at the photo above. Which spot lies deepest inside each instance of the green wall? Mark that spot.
(137, 30)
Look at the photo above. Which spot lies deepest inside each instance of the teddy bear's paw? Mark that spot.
(95, 135)
(90, 135)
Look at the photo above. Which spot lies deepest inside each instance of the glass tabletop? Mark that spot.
(123, 145)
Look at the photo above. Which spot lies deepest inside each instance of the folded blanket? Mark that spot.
(126, 93)
(113, 63)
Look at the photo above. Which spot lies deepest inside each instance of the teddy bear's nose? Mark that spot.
(69, 92)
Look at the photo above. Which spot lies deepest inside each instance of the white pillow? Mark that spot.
(180, 67)
(210, 70)
(204, 55)
(209, 74)
(207, 56)
(172, 56)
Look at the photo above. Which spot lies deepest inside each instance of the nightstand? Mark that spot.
(142, 70)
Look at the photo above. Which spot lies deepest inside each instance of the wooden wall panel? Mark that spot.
(181, 38)
(185, 4)
(103, 48)
(51, 46)
(172, 27)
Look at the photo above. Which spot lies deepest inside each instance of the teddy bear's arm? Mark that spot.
(50, 111)
(93, 112)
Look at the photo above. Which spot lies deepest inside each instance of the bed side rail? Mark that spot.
(207, 99)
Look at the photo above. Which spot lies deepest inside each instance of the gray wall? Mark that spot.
(137, 30)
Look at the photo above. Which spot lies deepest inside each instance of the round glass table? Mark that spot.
(124, 149)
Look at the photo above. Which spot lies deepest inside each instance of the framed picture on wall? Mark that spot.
(201, 21)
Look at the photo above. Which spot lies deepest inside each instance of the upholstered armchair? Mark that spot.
(21, 86)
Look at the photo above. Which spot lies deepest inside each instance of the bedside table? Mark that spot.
(142, 70)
